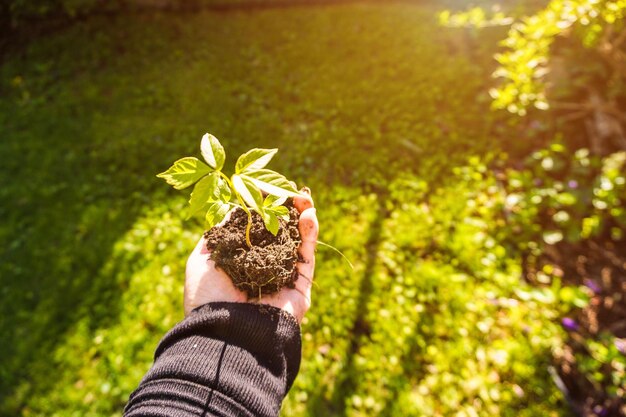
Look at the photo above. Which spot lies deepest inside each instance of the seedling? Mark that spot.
(271, 264)
(216, 194)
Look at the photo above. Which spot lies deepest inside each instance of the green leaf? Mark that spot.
(273, 211)
(249, 192)
(209, 189)
(185, 172)
(254, 159)
(274, 201)
(202, 193)
(224, 191)
(271, 222)
(212, 151)
(280, 211)
(272, 183)
(216, 213)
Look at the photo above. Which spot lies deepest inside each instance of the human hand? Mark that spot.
(205, 283)
(297, 301)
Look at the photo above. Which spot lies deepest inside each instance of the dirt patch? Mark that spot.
(269, 265)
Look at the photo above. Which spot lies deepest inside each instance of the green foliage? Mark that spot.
(527, 62)
(448, 326)
(186, 172)
(609, 192)
(568, 56)
(217, 195)
(559, 196)
(556, 196)
(605, 363)
(475, 17)
(93, 255)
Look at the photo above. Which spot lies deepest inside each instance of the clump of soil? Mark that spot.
(269, 265)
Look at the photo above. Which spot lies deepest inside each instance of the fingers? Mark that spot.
(202, 247)
(309, 229)
(303, 200)
(297, 301)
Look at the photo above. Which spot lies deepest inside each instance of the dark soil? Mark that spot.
(601, 266)
(269, 265)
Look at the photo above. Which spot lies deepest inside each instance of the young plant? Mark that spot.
(216, 194)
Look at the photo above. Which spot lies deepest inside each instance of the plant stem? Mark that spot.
(338, 251)
(248, 227)
(243, 206)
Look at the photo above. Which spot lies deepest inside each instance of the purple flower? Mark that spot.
(600, 411)
(573, 184)
(593, 286)
(620, 344)
(538, 182)
(570, 324)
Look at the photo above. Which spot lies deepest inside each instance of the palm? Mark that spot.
(205, 283)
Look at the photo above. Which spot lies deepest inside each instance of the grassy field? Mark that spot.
(371, 105)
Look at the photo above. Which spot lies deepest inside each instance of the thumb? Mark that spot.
(309, 229)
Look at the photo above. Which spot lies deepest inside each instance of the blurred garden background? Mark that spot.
(468, 158)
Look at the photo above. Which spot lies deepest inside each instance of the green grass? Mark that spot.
(359, 98)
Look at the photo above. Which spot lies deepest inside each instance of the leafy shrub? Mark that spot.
(525, 64)
(605, 363)
(452, 328)
(558, 197)
(569, 57)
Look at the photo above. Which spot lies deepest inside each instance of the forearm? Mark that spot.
(225, 359)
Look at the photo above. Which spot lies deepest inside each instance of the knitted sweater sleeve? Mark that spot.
(224, 359)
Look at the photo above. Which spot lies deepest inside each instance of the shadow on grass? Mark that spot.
(51, 279)
(317, 405)
(77, 171)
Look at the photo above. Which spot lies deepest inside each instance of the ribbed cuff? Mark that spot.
(223, 359)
